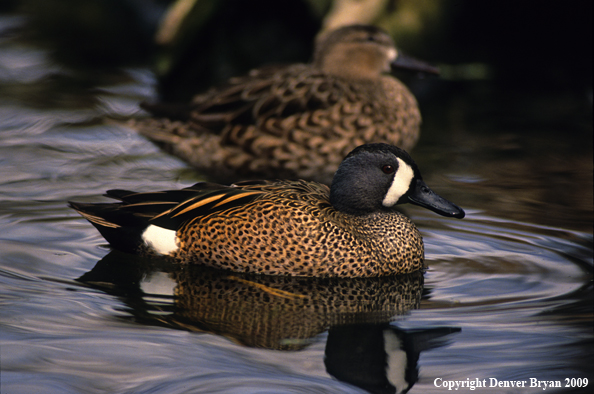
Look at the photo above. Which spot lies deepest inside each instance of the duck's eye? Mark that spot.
(388, 169)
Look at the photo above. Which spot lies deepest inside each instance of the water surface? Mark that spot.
(508, 293)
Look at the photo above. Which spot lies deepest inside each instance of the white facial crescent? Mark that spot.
(400, 184)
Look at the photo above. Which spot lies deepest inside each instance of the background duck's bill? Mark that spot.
(406, 62)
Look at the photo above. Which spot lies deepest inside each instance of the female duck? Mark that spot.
(283, 227)
(296, 121)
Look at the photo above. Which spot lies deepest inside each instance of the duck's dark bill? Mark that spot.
(407, 62)
(423, 196)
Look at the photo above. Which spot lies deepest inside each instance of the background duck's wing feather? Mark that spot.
(264, 93)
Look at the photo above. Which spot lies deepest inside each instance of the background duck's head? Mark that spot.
(376, 177)
(362, 52)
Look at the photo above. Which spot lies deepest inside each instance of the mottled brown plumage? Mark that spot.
(283, 227)
(296, 121)
(291, 225)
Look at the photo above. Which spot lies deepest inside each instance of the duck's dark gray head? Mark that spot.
(376, 177)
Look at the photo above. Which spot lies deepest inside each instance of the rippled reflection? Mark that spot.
(282, 313)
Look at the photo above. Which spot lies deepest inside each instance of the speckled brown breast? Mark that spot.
(292, 229)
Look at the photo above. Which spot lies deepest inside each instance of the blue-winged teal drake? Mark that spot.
(283, 227)
(295, 121)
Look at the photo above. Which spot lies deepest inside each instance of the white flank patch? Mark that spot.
(160, 239)
(400, 184)
(396, 361)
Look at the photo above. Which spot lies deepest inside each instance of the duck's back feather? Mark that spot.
(123, 223)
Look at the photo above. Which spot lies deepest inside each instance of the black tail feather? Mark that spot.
(123, 230)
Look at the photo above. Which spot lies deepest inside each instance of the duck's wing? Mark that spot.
(205, 202)
(123, 223)
(304, 194)
(170, 208)
(264, 93)
(222, 103)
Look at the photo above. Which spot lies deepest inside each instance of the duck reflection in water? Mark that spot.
(282, 313)
(379, 357)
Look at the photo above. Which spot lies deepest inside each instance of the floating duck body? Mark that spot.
(283, 227)
(296, 121)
